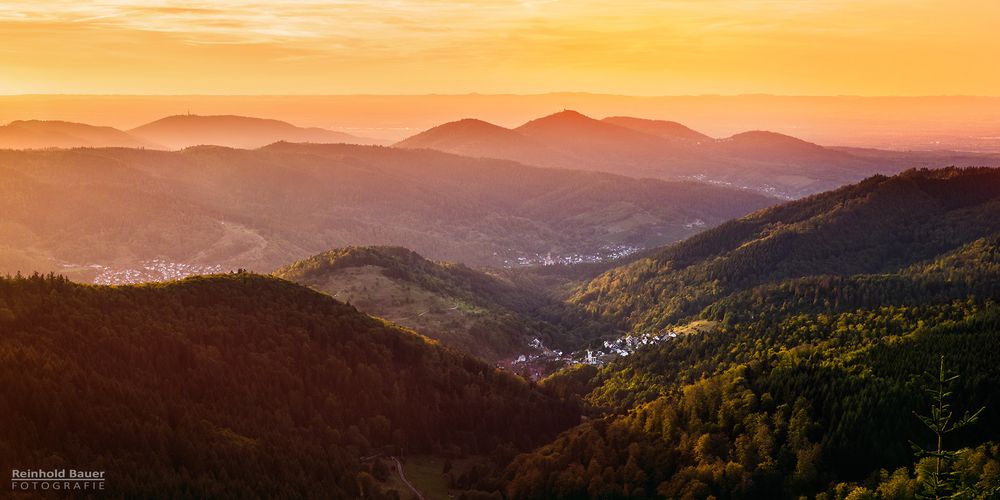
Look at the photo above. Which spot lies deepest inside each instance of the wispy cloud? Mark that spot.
(699, 45)
(269, 21)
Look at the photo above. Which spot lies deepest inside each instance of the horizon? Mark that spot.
(968, 123)
(496, 94)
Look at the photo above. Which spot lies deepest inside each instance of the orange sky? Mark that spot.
(639, 47)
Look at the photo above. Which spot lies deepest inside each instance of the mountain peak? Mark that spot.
(472, 122)
(573, 122)
(566, 116)
(571, 129)
(465, 126)
(763, 144)
(477, 138)
(569, 114)
(214, 120)
(33, 134)
(181, 131)
(766, 136)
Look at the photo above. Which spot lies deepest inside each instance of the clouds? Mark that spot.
(262, 21)
(410, 20)
(637, 46)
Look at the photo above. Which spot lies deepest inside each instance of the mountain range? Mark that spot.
(108, 213)
(181, 131)
(762, 161)
(678, 333)
(964, 123)
(767, 162)
(779, 353)
(37, 134)
(172, 132)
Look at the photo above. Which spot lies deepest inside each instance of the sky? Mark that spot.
(628, 47)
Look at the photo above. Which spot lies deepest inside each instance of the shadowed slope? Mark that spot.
(881, 225)
(474, 312)
(238, 385)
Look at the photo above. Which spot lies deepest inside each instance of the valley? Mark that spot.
(150, 272)
(763, 346)
(500, 250)
(605, 254)
(260, 209)
(627, 305)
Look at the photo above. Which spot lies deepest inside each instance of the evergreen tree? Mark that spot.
(943, 481)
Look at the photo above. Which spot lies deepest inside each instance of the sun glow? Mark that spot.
(421, 46)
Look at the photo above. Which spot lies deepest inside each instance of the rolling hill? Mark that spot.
(240, 385)
(824, 313)
(110, 213)
(762, 161)
(486, 315)
(608, 147)
(761, 145)
(181, 131)
(566, 139)
(39, 134)
(479, 139)
(589, 139)
(881, 225)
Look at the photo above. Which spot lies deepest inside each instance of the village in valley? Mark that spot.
(540, 361)
(604, 254)
(150, 271)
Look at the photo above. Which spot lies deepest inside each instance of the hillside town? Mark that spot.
(540, 361)
(151, 271)
(604, 254)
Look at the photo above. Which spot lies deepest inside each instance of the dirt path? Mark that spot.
(402, 476)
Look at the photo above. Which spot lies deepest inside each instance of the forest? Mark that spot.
(241, 386)
(880, 225)
(791, 404)
(487, 313)
(811, 381)
(815, 348)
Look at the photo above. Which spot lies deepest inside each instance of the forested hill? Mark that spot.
(881, 225)
(483, 314)
(806, 386)
(238, 386)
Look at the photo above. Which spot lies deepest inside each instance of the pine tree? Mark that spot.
(943, 480)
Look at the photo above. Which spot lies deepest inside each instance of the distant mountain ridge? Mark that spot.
(91, 211)
(181, 131)
(479, 139)
(172, 132)
(40, 134)
(763, 161)
(768, 162)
